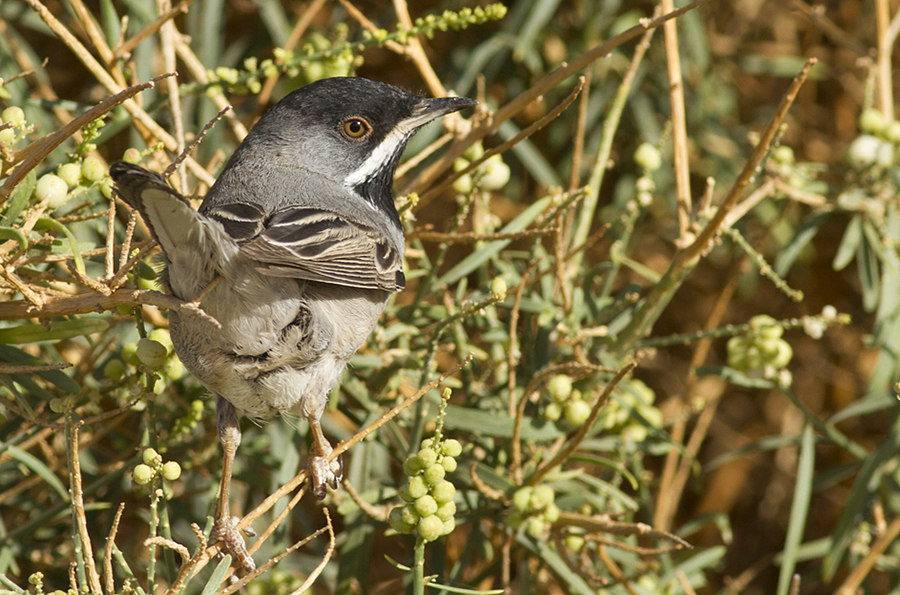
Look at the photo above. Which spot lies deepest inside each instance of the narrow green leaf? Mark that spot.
(573, 580)
(849, 243)
(19, 198)
(476, 259)
(864, 489)
(490, 423)
(218, 576)
(54, 225)
(11, 233)
(59, 330)
(799, 508)
(42, 470)
(868, 274)
(803, 236)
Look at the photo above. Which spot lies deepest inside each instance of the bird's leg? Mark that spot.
(322, 472)
(225, 528)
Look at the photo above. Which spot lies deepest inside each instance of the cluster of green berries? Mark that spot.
(762, 351)
(566, 402)
(631, 412)
(153, 353)
(534, 509)
(457, 21)
(493, 174)
(648, 158)
(36, 580)
(877, 144)
(16, 128)
(78, 177)
(154, 466)
(429, 508)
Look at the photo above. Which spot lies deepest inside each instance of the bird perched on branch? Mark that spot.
(294, 251)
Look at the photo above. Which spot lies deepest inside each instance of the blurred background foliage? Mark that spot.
(759, 424)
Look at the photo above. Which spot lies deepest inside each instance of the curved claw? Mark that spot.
(225, 531)
(324, 473)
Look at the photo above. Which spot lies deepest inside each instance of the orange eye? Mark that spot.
(355, 128)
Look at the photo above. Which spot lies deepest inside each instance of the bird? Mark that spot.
(294, 251)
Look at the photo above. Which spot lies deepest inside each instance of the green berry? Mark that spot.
(129, 354)
(162, 335)
(892, 132)
(443, 491)
(783, 154)
(57, 405)
(647, 157)
(430, 527)
(396, 521)
(496, 173)
(173, 368)
(449, 464)
(863, 151)
(783, 354)
(560, 387)
(552, 411)
(542, 497)
(93, 169)
(171, 471)
(7, 136)
(451, 448)
(427, 457)
(551, 513)
(434, 474)
(426, 505)
(872, 121)
(535, 526)
(446, 510)
(409, 514)
(449, 526)
(152, 458)
(151, 353)
(70, 173)
(521, 500)
(498, 288)
(412, 465)
(574, 542)
(53, 189)
(114, 369)
(577, 412)
(142, 474)
(131, 155)
(416, 487)
(14, 115)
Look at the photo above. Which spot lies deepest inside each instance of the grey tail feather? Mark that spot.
(146, 191)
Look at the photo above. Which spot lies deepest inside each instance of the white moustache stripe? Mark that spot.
(381, 154)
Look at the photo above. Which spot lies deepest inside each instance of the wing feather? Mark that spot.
(316, 245)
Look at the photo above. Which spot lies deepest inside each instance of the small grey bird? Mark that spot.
(297, 247)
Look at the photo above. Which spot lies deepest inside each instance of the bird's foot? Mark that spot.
(324, 473)
(225, 532)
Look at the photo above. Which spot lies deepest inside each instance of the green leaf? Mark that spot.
(849, 243)
(218, 576)
(11, 233)
(38, 466)
(864, 489)
(19, 198)
(573, 580)
(799, 508)
(490, 423)
(491, 249)
(804, 235)
(54, 225)
(59, 378)
(868, 273)
(58, 330)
